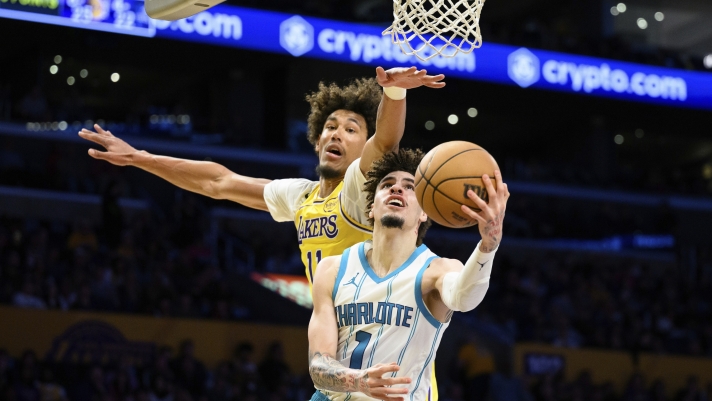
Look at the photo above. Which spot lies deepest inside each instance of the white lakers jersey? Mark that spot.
(384, 319)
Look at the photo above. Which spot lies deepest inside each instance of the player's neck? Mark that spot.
(391, 248)
(328, 185)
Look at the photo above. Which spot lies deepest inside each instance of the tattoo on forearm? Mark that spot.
(492, 233)
(329, 374)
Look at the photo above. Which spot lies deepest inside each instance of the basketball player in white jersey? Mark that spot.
(392, 298)
(348, 126)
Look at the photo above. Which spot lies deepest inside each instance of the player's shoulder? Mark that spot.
(328, 267)
(330, 262)
(292, 185)
(353, 171)
(444, 265)
(326, 273)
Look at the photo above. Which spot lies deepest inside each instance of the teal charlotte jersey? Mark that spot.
(384, 319)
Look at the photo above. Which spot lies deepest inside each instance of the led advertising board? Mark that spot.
(324, 39)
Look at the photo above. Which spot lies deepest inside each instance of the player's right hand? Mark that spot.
(377, 386)
(408, 78)
(117, 152)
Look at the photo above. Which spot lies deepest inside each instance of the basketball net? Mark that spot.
(428, 28)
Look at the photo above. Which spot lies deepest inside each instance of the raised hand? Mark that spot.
(408, 78)
(117, 152)
(491, 215)
(374, 385)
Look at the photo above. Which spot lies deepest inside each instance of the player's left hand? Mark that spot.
(491, 215)
(408, 78)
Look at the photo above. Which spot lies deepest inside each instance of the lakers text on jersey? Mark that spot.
(325, 229)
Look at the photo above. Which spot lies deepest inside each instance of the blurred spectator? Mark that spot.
(189, 373)
(475, 366)
(82, 236)
(27, 297)
(273, 370)
(50, 389)
(5, 374)
(25, 385)
(692, 392)
(112, 217)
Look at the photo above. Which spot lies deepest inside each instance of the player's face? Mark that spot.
(395, 200)
(341, 141)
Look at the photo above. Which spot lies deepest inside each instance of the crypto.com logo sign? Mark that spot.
(523, 67)
(296, 36)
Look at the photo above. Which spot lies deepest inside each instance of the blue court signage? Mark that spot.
(301, 36)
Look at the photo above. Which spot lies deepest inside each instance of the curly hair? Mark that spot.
(362, 97)
(403, 160)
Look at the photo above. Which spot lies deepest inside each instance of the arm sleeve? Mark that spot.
(464, 290)
(283, 197)
(353, 197)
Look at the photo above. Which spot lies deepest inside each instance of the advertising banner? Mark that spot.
(105, 337)
(301, 36)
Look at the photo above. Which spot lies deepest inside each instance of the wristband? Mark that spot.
(395, 92)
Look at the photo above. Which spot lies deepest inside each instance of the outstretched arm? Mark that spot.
(204, 178)
(390, 121)
(328, 373)
(462, 287)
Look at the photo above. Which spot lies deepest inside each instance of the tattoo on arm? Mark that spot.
(492, 234)
(329, 374)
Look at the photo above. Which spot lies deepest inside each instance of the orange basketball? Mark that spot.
(445, 175)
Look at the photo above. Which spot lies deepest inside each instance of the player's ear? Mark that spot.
(423, 217)
(370, 211)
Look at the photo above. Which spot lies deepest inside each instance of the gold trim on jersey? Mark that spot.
(355, 224)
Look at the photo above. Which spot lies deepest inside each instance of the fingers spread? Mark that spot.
(92, 136)
(392, 390)
(434, 84)
(478, 201)
(378, 371)
(388, 381)
(96, 154)
(473, 215)
(488, 184)
(101, 131)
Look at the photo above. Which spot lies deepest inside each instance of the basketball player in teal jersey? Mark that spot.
(349, 127)
(392, 298)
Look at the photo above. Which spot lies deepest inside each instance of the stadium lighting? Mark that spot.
(618, 139)
(70, 81)
(621, 7)
(452, 119)
(659, 16)
(639, 133)
(62, 125)
(83, 73)
(708, 61)
(53, 69)
(707, 171)
(642, 23)
(614, 11)
(57, 59)
(115, 77)
(472, 112)
(429, 125)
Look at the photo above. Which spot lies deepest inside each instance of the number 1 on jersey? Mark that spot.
(312, 263)
(363, 338)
